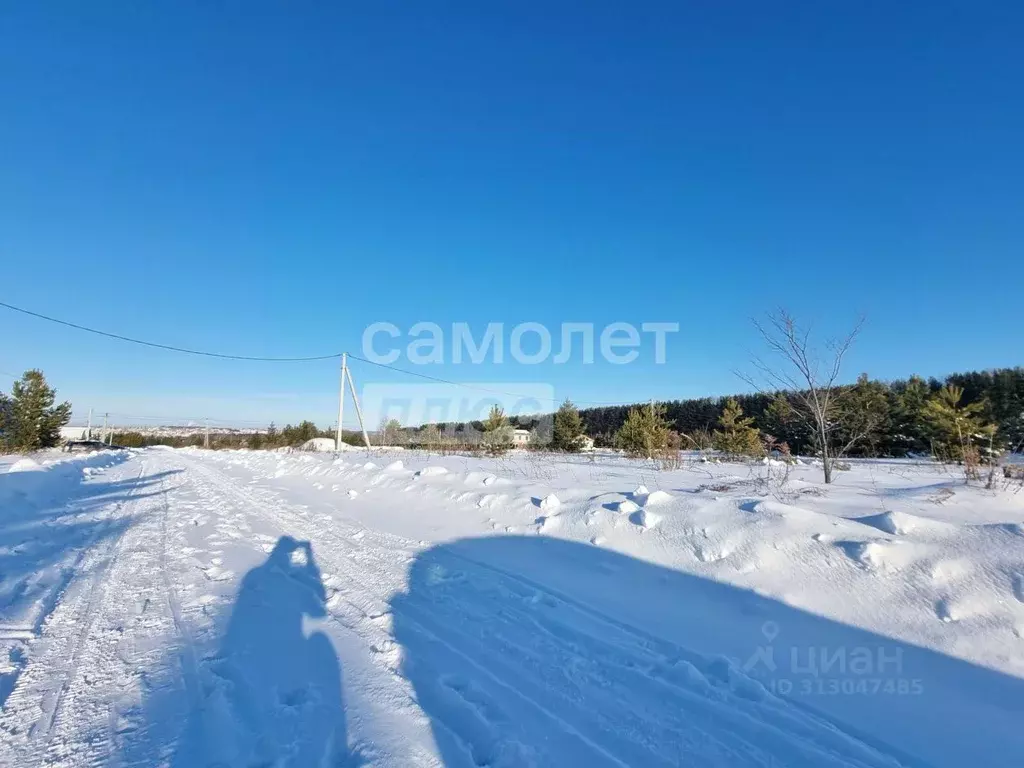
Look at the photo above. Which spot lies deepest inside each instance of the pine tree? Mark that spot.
(782, 425)
(863, 415)
(497, 432)
(955, 428)
(6, 423)
(737, 436)
(645, 431)
(908, 429)
(36, 420)
(567, 432)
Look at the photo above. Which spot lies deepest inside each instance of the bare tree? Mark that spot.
(812, 379)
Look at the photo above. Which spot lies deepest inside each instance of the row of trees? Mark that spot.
(955, 431)
(894, 412)
(801, 406)
(269, 439)
(30, 417)
(810, 408)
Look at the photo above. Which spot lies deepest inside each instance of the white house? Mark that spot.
(586, 443)
(520, 437)
(74, 433)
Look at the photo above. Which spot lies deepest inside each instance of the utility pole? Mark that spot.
(104, 439)
(359, 411)
(88, 429)
(206, 436)
(341, 399)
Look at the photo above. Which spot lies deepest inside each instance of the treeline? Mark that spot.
(269, 439)
(899, 423)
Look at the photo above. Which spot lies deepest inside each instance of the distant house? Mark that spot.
(520, 437)
(68, 434)
(586, 443)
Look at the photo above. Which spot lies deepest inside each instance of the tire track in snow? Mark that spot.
(92, 647)
(33, 707)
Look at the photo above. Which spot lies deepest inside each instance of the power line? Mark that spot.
(119, 337)
(336, 355)
(471, 386)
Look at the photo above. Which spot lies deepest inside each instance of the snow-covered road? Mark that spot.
(173, 609)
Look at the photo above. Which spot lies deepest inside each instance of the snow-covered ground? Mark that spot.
(192, 608)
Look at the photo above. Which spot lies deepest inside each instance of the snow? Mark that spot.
(550, 502)
(189, 607)
(657, 497)
(626, 506)
(319, 444)
(432, 471)
(646, 519)
(24, 465)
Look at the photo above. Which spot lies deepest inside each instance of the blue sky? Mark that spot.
(270, 178)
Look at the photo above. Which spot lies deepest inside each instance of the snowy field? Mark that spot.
(192, 608)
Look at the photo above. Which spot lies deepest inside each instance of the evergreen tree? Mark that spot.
(272, 436)
(782, 423)
(737, 436)
(955, 427)
(863, 416)
(567, 432)
(6, 423)
(645, 431)
(908, 429)
(497, 432)
(36, 421)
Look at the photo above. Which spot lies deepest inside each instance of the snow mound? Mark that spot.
(901, 523)
(25, 465)
(645, 519)
(549, 523)
(433, 471)
(352, 493)
(658, 497)
(640, 490)
(394, 466)
(369, 465)
(550, 502)
(711, 553)
(880, 555)
(626, 506)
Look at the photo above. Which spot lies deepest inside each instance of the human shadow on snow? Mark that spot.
(272, 694)
(525, 651)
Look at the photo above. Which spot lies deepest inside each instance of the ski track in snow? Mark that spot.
(510, 672)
